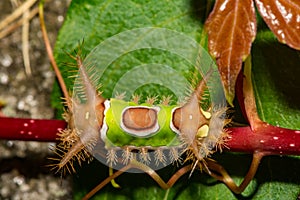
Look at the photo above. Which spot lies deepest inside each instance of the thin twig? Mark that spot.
(17, 13)
(50, 55)
(25, 42)
(9, 29)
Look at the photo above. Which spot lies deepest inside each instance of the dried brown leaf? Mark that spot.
(231, 28)
(283, 18)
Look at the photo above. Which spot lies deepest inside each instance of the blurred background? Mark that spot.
(26, 80)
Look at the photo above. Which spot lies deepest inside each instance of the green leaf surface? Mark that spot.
(96, 20)
(276, 83)
(275, 72)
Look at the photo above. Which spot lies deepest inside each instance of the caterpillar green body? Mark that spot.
(117, 131)
(127, 131)
(159, 132)
(127, 135)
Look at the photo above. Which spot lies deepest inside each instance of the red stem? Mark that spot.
(30, 129)
(271, 139)
(268, 138)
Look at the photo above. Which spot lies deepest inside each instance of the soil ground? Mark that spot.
(23, 174)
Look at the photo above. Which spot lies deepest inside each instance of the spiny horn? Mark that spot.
(189, 118)
(86, 119)
(93, 108)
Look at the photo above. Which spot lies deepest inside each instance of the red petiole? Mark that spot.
(271, 139)
(42, 130)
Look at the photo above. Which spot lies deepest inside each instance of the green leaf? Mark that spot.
(275, 75)
(96, 20)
